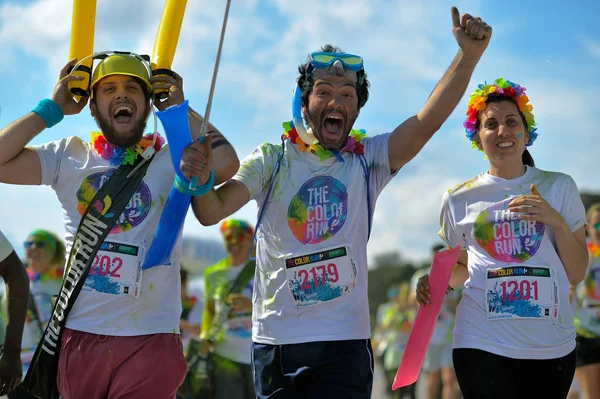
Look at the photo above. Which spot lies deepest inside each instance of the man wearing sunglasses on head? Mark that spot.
(17, 292)
(316, 194)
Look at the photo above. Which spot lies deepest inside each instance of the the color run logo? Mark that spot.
(506, 237)
(319, 209)
(136, 210)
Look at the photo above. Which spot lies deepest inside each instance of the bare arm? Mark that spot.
(17, 283)
(218, 204)
(225, 160)
(18, 163)
(472, 36)
(17, 291)
(460, 273)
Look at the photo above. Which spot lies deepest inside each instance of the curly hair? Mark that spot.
(306, 81)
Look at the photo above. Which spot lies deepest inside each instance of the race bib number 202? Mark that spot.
(521, 292)
(116, 270)
(320, 277)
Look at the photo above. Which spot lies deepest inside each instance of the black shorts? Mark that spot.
(482, 374)
(315, 370)
(588, 351)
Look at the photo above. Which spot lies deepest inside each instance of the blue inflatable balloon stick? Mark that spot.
(177, 129)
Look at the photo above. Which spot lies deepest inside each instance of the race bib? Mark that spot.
(521, 292)
(320, 277)
(117, 270)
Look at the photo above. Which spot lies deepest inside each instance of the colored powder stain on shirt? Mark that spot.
(102, 284)
(162, 200)
(151, 287)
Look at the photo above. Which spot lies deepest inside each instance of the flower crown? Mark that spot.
(237, 224)
(500, 88)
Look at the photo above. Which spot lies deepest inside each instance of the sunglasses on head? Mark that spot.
(36, 244)
(321, 59)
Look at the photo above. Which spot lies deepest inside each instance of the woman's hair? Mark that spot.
(591, 210)
(57, 246)
(526, 158)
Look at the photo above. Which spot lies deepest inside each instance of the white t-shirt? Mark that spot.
(320, 209)
(5, 247)
(587, 301)
(75, 172)
(521, 310)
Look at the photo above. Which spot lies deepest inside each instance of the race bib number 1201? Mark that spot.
(117, 270)
(521, 292)
(320, 277)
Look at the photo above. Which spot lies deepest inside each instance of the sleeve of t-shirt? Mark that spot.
(5, 247)
(378, 161)
(572, 210)
(256, 169)
(51, 155)
(448, 230)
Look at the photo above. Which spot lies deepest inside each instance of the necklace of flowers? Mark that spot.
(189, 302)
(55, 273)
(352, 145)
(594, 249)
(123, 156)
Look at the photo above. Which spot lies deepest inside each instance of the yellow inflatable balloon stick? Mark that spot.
(166, 40)
(82, 44)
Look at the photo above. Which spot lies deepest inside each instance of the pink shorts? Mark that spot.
(95, 366)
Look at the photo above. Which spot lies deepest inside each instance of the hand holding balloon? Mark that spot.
(197, 160)
(63, 97)
(173, 86)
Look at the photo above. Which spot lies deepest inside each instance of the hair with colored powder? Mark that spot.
(501, 90)
(237, 224)
(306, 81)
(57, 247)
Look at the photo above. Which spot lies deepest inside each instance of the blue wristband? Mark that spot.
(183, 185)
(49, 111)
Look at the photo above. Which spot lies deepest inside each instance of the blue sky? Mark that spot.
(549, 47)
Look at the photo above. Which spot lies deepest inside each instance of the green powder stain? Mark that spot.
(151, 287)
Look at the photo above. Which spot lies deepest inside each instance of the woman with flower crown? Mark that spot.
(587, 313)
(522, 231)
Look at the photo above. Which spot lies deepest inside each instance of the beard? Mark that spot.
(317, 124)
(126, 139)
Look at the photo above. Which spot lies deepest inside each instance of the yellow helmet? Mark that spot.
(121, 64)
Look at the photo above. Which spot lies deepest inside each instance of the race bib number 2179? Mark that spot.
(320, 277)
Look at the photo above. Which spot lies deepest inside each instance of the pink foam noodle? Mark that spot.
(420, 335)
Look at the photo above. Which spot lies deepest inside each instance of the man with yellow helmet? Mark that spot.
(121, 336)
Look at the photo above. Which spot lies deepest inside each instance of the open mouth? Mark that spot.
(123, 113)
(333, 123)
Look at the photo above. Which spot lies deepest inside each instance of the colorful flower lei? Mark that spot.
(593, 249)
(500, 87)
(352, 145)
(189, 302)
(55, 273)
(123, 156)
